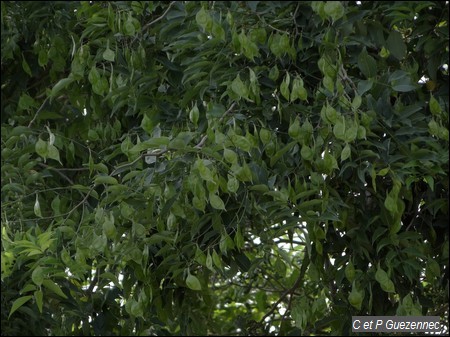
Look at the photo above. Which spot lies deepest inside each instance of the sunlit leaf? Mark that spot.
(193, 283)
(18, 303)
(37, 207)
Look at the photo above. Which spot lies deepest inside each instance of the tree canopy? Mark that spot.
(222, 168)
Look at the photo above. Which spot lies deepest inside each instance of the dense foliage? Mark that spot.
(222, 168)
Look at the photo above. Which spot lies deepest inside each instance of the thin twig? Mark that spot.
(78, 205)
(343, 75)
(269, 25)
(57, 171)
(143, 155)
(59, 215)
(161, 152)
(295, 22)
(37, 112)
(291, 290)
(205, 137)
(72, 169)
(157, 19)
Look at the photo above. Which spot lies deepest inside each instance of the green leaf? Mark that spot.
(243, 173)
(53, 153)
(367, 64)
(193, 283)
(339, 129)
(350, 271)
(258, 35)
(43, 57)
(351, 131)
(383, 172)
(391, 202)
(26, 67)
(294, 128)
(29, 287)
(52, 286)
(94, 76)
(230, 156)
(248, 47)
(205, 172)
(334, 10)
(216, 202)
(242, 143)
(279, 44)
(328, 83)
(284, 87)
(107, 180)
(274, 73)
(18, 303)
(239, 239)
(331, 114)
(361, 134)
(239, 87)
(218, 32)
(265, 136)
(63, 83)
(108, 227)
(209, 262)
(26, 102)
(39, 298)
(37, 276)
(41, 148)
(93, 135)
(433, 270)
(364, 86)
(129, 28)
(307, 153)
(346, 152)
(109, 55)
(356, 103)
(383, 279)
(356, 297)
(216, 259)
(148, 124)
(404, 85)
(396, 45)
(435, 107)
(232, 184)
(430, 181)
(37, 207)
(329, 163)
(203, 18)
(194, 115)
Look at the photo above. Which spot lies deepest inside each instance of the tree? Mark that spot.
(222, 168)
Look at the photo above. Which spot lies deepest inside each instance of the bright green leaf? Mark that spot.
(37, 276)
(39, 298)
(37, 207)
(18, 303)
(193, 283)
(346, 152)
(216, 202)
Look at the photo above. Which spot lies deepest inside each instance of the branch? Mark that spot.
(59, 215)
(205, 137)
(57, 171)
(37, 112)
(292, 289)
(161, 152)
(94, 281)
(120, 168)
(157, 19)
